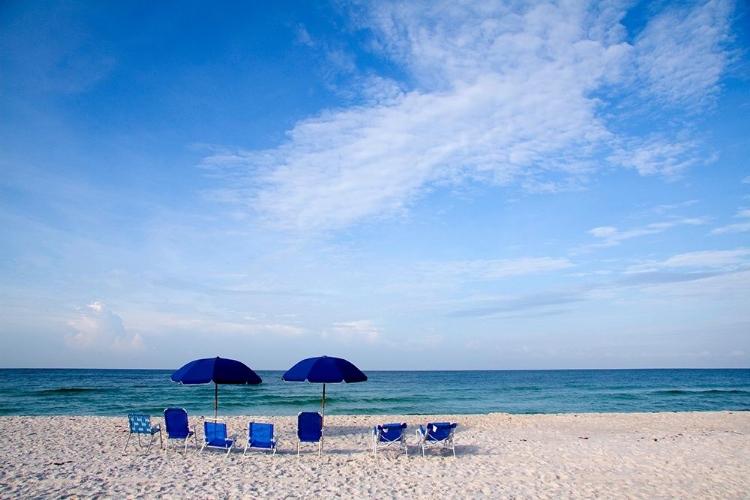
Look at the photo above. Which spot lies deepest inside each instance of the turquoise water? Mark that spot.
(117, 392)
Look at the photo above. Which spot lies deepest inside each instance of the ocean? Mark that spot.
(118, 392)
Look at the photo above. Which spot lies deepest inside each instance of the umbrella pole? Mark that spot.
(216, 401)
(323, 415)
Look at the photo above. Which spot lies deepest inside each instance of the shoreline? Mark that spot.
(498, 455)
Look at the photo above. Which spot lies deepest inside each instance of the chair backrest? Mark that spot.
(140, 423)
(214, 430)
(310, 426)
(176, 422)
(260, 435)
(390, 432)
(439, 431)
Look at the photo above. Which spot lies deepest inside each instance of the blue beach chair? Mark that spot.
(140, 424)
(437, 434)
(176, 424)
(215, 435)
(260, 437)
(389, 435)
(310, 429)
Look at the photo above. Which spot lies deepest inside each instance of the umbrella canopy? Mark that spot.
(217, 370)
(324, 370)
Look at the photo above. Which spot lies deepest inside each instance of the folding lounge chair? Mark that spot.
(389, 435)
(310, 429)
(140, 423)
(260, 436)
(176, 423)
(215, 435)
(436, 434)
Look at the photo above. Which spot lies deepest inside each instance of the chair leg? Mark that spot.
(128, 441)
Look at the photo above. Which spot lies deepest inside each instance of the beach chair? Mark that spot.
(215, 435)
(310, 429)
(389, 435)
(140, 424)
(437, 434)
(176, 424)
(260, 437)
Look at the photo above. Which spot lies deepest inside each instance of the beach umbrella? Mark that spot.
(217, 370)
(324, 370)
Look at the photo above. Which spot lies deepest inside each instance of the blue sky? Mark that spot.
(409, 185)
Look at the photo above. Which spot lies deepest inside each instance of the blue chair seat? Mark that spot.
(260, 436)
(389, 435)
(437, 434)
(140, 423)
(215, 436)
(310, 429)
(177, 426)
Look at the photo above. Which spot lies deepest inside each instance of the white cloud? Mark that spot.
(612, 236)
(732, 228)
(364, 330)
(481, 270)
(168, 322)
(681, 54)
(604, 232)
(303, 36)
(655, 156)
(717, 259)
(735, 228)
(100, 329)
(502, 95)
(283, 330)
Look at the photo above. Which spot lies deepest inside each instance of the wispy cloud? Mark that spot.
(500, 95)
(682, 53)
(360, 330)
(505, 305)
(726, 259)
(487, 270)
(205, 323)
(303, 36)
(655, 156)
(739, 227)
(611, 236)
(716, 275)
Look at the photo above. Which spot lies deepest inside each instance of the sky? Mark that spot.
(407, 185)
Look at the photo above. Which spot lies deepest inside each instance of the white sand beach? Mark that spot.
(654, 455)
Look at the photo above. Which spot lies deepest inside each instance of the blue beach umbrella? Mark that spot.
(217, 370)
(324, 370)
